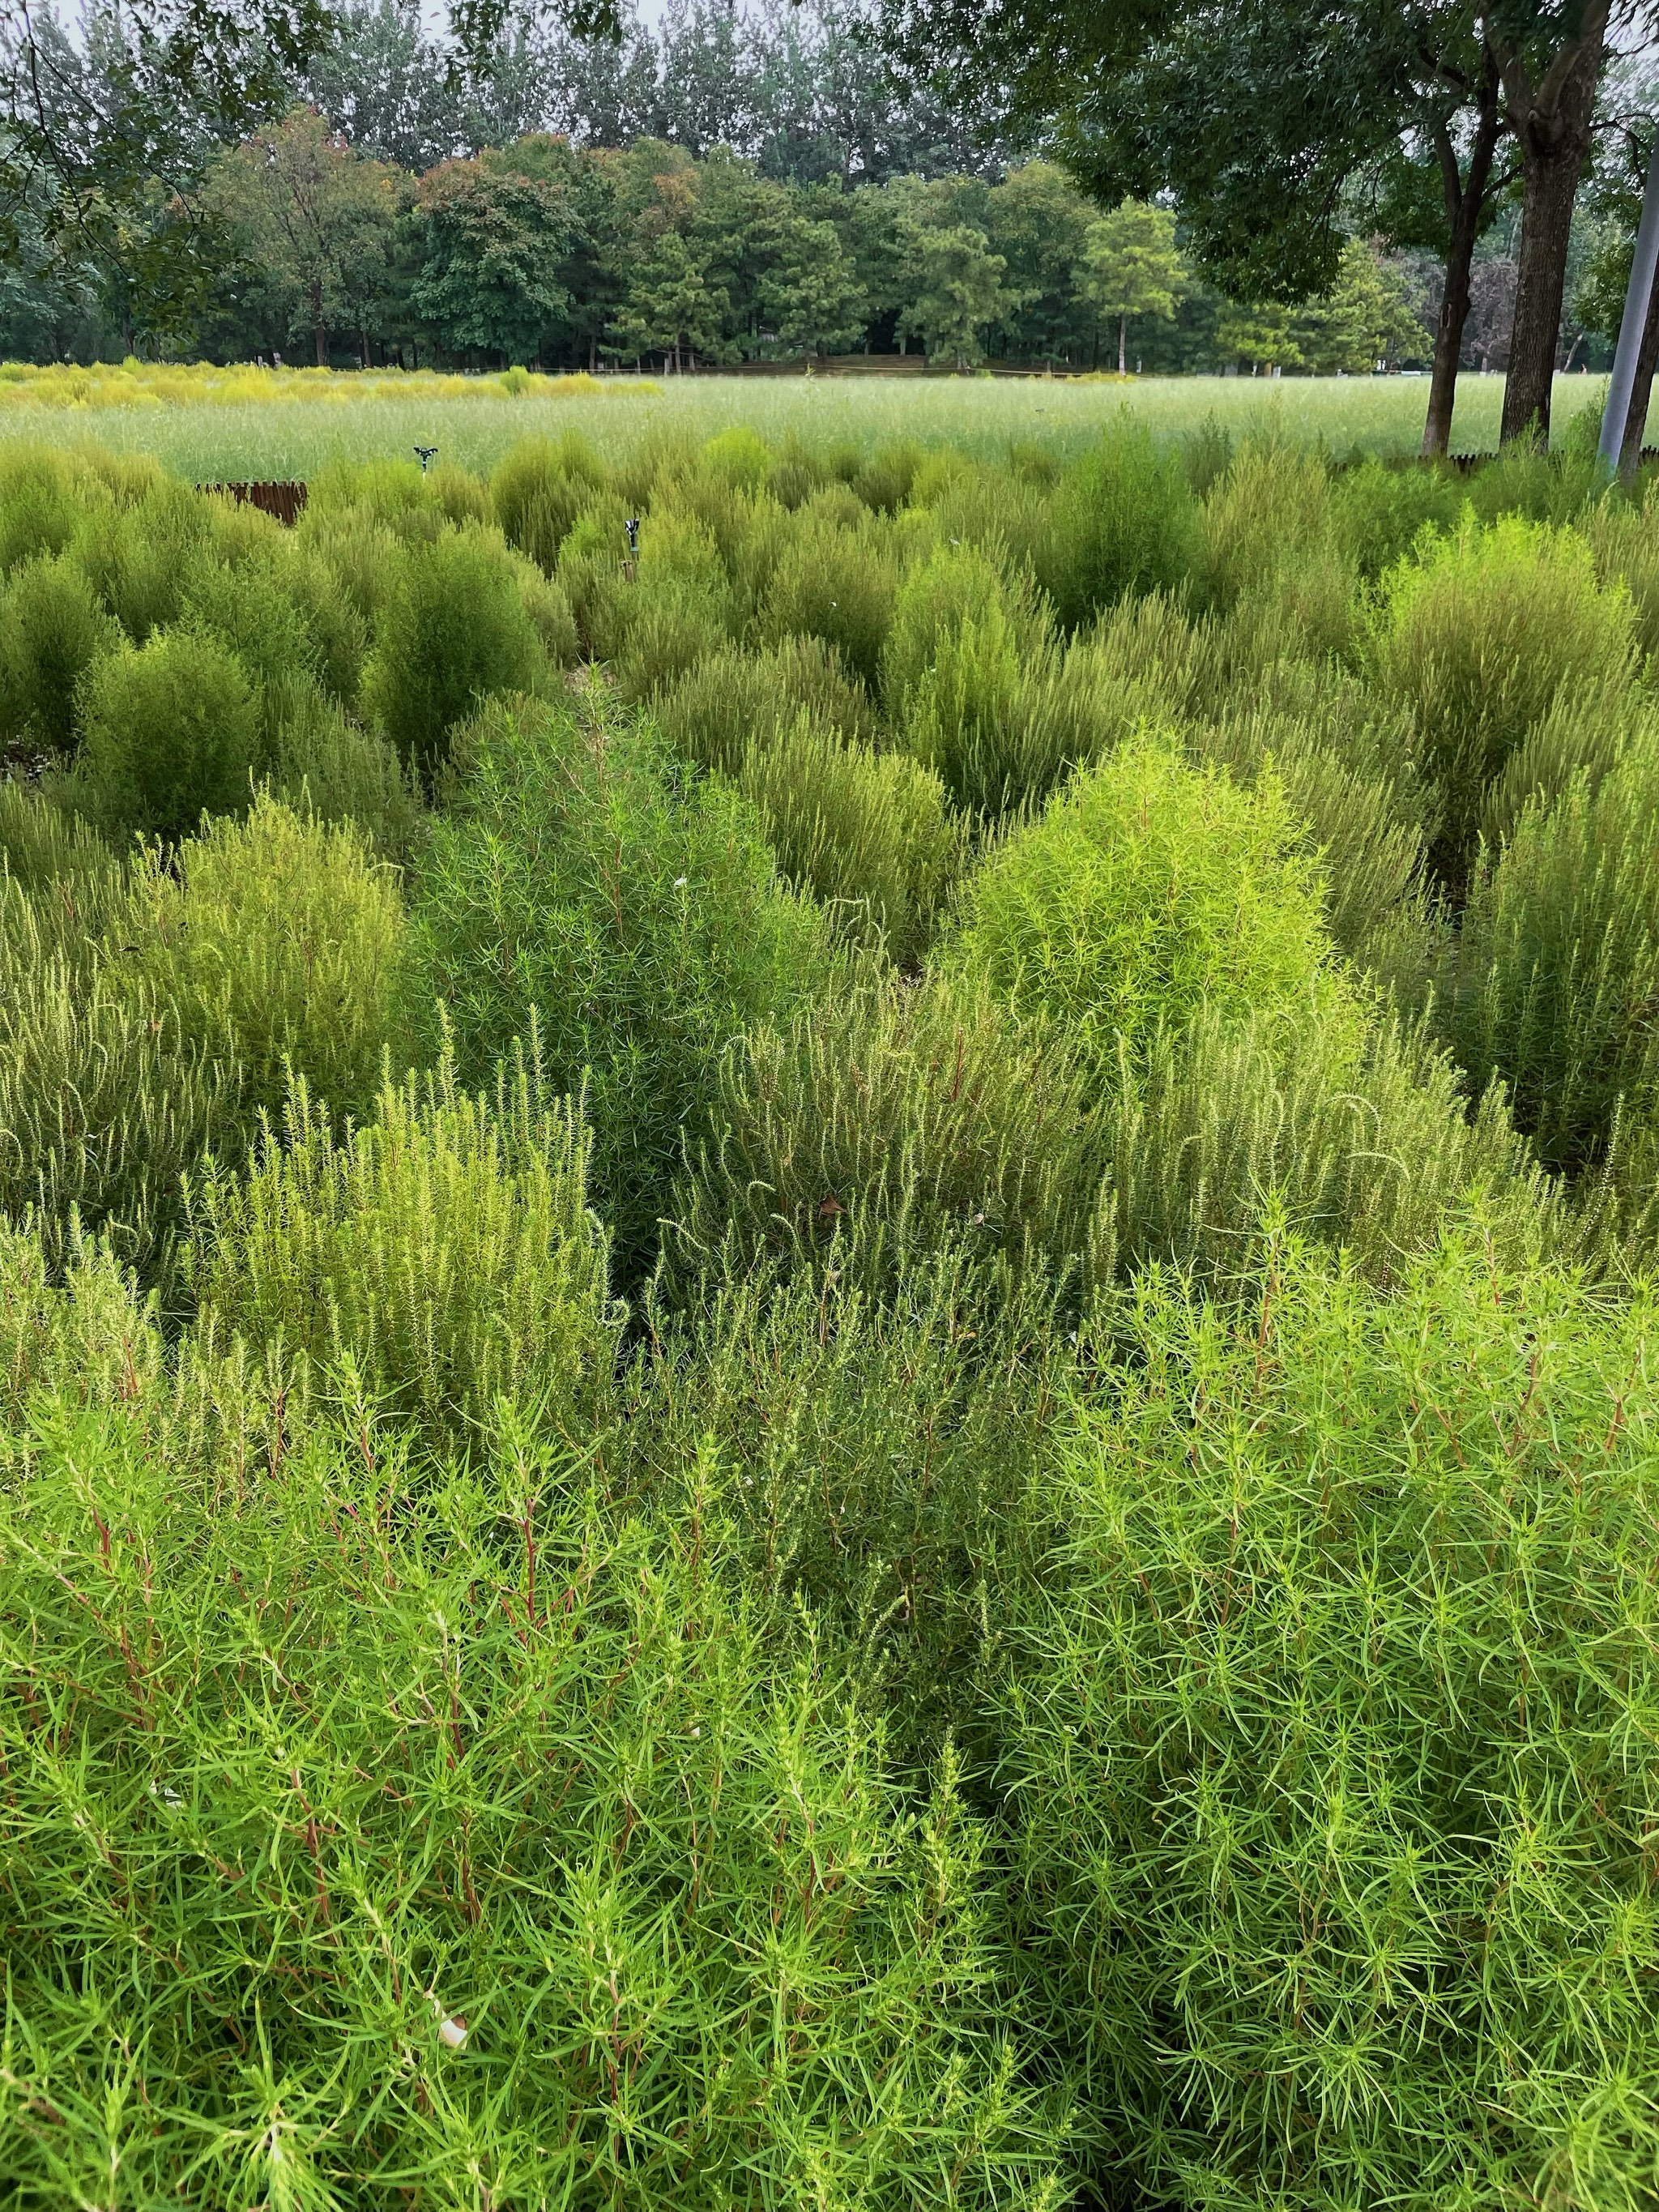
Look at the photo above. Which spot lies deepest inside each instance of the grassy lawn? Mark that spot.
(294, 437)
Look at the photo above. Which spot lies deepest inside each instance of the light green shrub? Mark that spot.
(579, 1802)
(342, 771)
(275, 942)
(1380, 512)
(52, 629)
(1121, 520)
(590, 574)
(872, 834)
(735, 700)
(1276, 559)
(44, 496)
(1148, 890)
(1625, 540)
(438, 1257)
(1478, 634)
(737, 456)
(581, 883)
(538, 489)
(454, 629)
(137, 556)
(171, 731)
(250, 608)
(1326, 1738)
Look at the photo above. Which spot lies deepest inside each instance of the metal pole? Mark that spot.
(1644, 263)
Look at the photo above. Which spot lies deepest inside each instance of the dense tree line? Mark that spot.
(729, 187)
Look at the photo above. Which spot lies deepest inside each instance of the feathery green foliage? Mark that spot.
(172, 731)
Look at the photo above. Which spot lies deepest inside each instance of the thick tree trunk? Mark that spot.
(1552, 122)
(1466, 198)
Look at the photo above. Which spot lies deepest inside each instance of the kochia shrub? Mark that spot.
(579, 886)
(137, 556)
(1148, 890)
(1337, 1689)
(51, 630)
(1553, 981)
(1121, 520)
(872, 834)
(172, 731)
(438, 1257)
(454, 628)
(837, 582)
(627, 1880)
(1478, 634)
(734, 700)
(277, 942)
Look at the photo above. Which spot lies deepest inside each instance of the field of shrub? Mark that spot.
(827, 1357)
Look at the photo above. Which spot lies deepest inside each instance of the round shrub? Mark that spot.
(837, 583)
(51, 630)
(583, 888)
(1329, 1740)
(137, 557)
(734, 700)
(738, 456)
(872, 834)
(454, 629)
(538, 489)
(1479, 634)
(1121, 520)
(171, 732)
(42, 504)
(279, 943)
(1147, 890)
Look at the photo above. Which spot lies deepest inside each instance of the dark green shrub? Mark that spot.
(581, 884)
(539, 489)
(590, 574)
(454, 629)
(1478, 634)
(51, 630)
(1120, 520)
(276, 942)
(884, 480)
(341, 771)
(171, 731)
(442, 1254)
(733, 701)
(1005, 515)
(872, 834)
(362, 564)
(1381, 513)
(555, 625)
(1148, 890)
(616, 1865)
(1327, 1741)
(1275, 557)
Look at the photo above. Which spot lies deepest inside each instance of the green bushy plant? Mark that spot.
(249, 607)
(136, 556)
(1381, 512)
(1149, 889)
(1553, 979)
(581, 883)
(440, 1255)
(734, 700)
(104, 1102)
(872, 834)
(590, 574)
(1121, 520)
(589, 1873)
(171, 731)
(454, 629)
(342, 771)
(1479, 635)
(1625, 540)
(276, 942)
(1276, 559)
(52, 629)
(837, 580)
(1326, 1729)
(42, 503)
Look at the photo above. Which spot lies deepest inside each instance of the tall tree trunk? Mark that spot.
(1123, 345)
(1552, 122)
(1466, 198)
(317, 331)
(1647, 364)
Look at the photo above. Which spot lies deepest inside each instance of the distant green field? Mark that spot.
(282, 438)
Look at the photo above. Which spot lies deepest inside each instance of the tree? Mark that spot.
(1035, 219)
(956, 291)
(1263, 333)
(809, 295)
(669, 307)
(492, 245)
(1131, 265)
(1366, 318)
(315, 217)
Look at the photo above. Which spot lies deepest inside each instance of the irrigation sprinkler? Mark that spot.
(631, 565)
(427, 455)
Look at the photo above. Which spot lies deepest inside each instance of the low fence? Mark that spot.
(286, 501)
